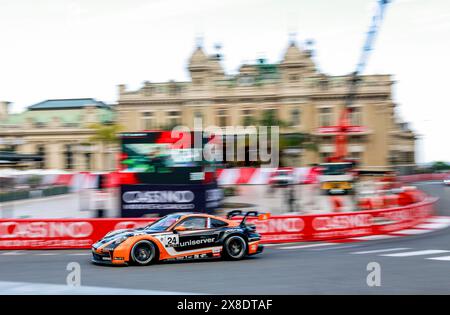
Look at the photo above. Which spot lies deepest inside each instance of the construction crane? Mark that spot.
(344, 126)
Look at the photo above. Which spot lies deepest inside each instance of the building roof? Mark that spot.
(68, 103)
(198, 57)
(66, 112)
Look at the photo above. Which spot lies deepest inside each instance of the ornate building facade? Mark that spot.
(59, 131)
(293, 90)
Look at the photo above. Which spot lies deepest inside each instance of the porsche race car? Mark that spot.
(181, 236)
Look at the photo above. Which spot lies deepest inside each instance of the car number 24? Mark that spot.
(171, 240)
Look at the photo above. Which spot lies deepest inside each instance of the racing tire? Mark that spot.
(234, 248)
(143, 253)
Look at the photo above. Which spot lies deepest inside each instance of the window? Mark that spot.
(163, 223)
(355, 116)
(217, 223)
(270, 116)
(198, 114)
(293, 77)
(68, 157)
(355, 139)
(324, 157)
(148, 120)
(39, 124)
(41, 152)
(323, 84)
(325, 116)
(196, 223)
(247, 117)
(174, 89)
(174, 118)
(355, 156)
(148, 89)
(88, 160)
(222, 116)
(197, 81)
(295, 117)
(246, 80)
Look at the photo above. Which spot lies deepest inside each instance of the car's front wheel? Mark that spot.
(235, 248)
(143, 253)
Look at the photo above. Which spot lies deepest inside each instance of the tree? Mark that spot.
(292, 139)
(440, 166)
(106, 134)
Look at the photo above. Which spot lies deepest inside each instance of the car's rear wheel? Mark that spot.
(143, 253)
(235, 248)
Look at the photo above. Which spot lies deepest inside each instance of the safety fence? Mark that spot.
(229, 176)
(82, 233)
(423, 177)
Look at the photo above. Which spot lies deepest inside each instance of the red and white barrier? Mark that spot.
(229, 176)
(82, 233)
(423, 177)
(261, 176)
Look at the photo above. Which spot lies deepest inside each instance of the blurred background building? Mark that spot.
(73, 134)
(60, 131)
(291, 93)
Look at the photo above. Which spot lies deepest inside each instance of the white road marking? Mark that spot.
(432, 226)
(14, 253)
(380, 250)
(374, 237)
(308, 246)
(11, 288)
(443, 258)
(417, 253)
(350, 245)
(439, 220)
(272, 245)
(412, 232)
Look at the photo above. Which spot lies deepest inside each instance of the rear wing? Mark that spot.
(235, 213)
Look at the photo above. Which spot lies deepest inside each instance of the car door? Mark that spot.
(196, 236)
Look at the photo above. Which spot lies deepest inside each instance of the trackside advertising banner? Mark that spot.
(342, 225)
(60, 233)
(81, 233)
(142, 199)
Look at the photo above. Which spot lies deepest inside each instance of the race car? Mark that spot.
(181, 236)
(446, 181)
(281, 177)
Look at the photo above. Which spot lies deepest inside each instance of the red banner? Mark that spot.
(336, 129)
(82, 233)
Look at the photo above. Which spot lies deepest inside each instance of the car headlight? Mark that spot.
(119, 240)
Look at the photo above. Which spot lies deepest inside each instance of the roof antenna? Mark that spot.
(218, 48)
(292, 38)
(309, 43)
(199, 41)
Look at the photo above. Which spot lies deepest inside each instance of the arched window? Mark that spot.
(41, 152)
(295, 117)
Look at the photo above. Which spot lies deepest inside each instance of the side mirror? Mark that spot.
(179, 228)
(264, 216)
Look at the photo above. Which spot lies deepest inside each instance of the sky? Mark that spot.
(85, 48)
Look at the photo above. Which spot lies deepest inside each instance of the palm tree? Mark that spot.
(106, 134)
(297, 140)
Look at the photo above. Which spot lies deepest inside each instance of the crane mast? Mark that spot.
(343, 127)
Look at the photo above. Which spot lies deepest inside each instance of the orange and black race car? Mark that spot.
(181, 236)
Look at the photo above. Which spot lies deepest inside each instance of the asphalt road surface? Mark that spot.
(413, 264)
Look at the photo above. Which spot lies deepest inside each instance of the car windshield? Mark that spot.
(163, 223)
(336, 169)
